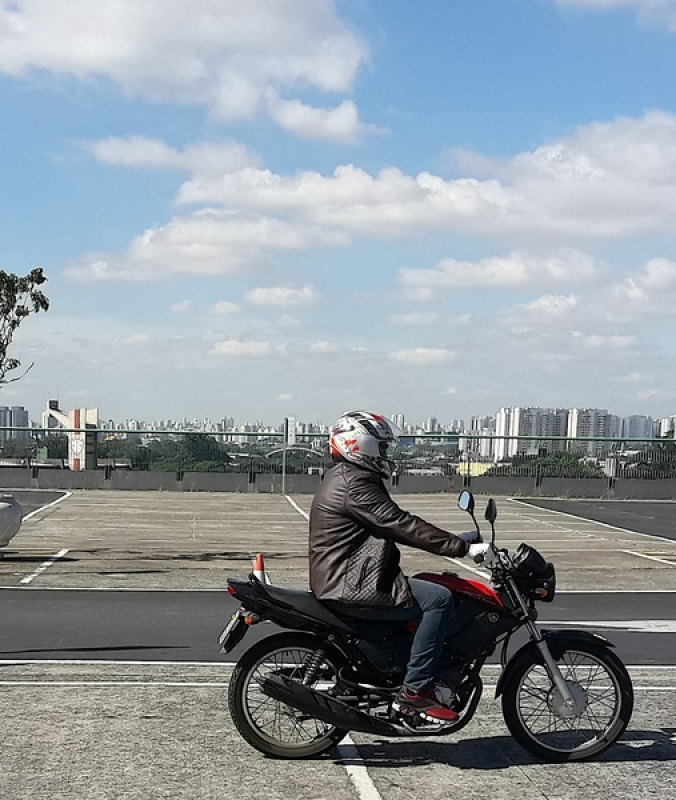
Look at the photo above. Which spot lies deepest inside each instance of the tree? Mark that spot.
(19, 297)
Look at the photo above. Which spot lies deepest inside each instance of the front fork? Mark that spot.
(540, 642)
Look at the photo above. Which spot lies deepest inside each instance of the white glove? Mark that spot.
(469, 536)
(481, 553)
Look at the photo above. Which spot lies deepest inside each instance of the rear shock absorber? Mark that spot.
(312, 667)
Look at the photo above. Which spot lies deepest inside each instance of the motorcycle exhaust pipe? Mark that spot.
(324, 707)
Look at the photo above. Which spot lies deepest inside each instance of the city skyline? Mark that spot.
(505, 421)
(317, 205)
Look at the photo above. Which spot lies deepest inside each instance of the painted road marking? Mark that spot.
(45, 565)
(652, 558)
(349, 752)
(632, 625)
(49, 505)
(534, 506)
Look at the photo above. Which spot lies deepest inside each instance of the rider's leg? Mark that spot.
(436, 604)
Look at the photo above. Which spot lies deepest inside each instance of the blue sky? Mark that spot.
(255, 208)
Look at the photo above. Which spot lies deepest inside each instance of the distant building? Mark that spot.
(592, 423)
(637, 426)
(667, 427)
(537, 425)
(14, 417)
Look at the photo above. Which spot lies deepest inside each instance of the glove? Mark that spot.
(469, 536)
(481, 553)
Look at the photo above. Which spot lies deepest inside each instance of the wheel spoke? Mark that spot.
(275, 721)
(545, 718)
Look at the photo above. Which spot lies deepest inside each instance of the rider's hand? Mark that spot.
(481, 552)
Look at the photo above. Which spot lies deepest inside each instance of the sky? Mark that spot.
(258, 208)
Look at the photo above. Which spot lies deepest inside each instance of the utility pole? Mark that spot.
(289, 441)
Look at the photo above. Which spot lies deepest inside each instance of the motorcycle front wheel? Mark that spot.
(543, 724)
(273, 727)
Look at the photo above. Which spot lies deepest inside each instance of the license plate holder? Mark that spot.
(233, 633)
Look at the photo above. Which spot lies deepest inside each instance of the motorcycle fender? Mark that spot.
(558, 642)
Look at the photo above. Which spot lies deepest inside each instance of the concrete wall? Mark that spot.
(600, 488)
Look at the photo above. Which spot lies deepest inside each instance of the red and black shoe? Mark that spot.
(424, 703)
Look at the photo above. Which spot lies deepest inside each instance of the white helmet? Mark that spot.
(364, 438)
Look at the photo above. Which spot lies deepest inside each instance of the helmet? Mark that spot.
(363, 438)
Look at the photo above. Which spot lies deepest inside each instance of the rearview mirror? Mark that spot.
(491, 511)
(466, 502)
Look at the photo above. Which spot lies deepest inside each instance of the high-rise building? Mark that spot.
(590, 423)
(14, 417)
(637, 426)
(483, 426)
(534, 426)
(398, 420)
(667, 427)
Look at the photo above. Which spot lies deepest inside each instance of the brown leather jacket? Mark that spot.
(355, 527)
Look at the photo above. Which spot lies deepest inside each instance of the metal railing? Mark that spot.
(265, 452)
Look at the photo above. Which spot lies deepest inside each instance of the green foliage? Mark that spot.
(555, 465)
(19, 297)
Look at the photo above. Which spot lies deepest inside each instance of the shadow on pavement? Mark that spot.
(503, 752)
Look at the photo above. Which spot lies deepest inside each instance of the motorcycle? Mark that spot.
(565, 694)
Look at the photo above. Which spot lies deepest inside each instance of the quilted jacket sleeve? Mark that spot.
(369, 503)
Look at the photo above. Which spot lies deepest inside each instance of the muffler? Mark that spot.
(322, 706)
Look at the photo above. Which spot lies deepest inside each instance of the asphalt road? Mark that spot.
(32, 500)
(184, 626)
(656, 518)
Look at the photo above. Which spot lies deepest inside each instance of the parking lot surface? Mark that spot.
(116, 725)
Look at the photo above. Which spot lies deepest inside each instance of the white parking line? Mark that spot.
(349, 752)
(651, 558)
(656, 537)
(49, 505)
(632, 625)
(298, 508)
(45, 565)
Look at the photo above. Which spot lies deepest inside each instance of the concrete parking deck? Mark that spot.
(125, 729)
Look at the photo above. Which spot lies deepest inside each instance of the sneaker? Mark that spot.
(425, 703)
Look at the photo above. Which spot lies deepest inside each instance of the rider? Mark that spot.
(355, 527)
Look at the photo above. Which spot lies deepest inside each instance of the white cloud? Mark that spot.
(182, 307)
(614, 179)
(517, 269)
(415, 319)
(207, 242)
(234, 348)
(422, 356)
(136, 340)
(452, 390)
(322, 346)
(141, 152)
(287, 322)
(282, 296)
(610, 180)
(649, 292)
(340, 124)
(595, 342)
(658, 11)
(226, 55)
(224, 308)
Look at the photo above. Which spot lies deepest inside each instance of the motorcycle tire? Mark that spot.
(539, 720)
(268, 725)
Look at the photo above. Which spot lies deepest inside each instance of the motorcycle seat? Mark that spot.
(374, 613)
(334, 611)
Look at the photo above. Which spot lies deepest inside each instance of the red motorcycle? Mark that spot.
(565, 695)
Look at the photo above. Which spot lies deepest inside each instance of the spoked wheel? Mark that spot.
(539, 719)
(269, 725)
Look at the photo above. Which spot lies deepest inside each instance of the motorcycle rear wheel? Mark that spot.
(268, 725)
(539, 720)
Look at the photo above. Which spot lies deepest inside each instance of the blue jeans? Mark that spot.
(437, 606)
